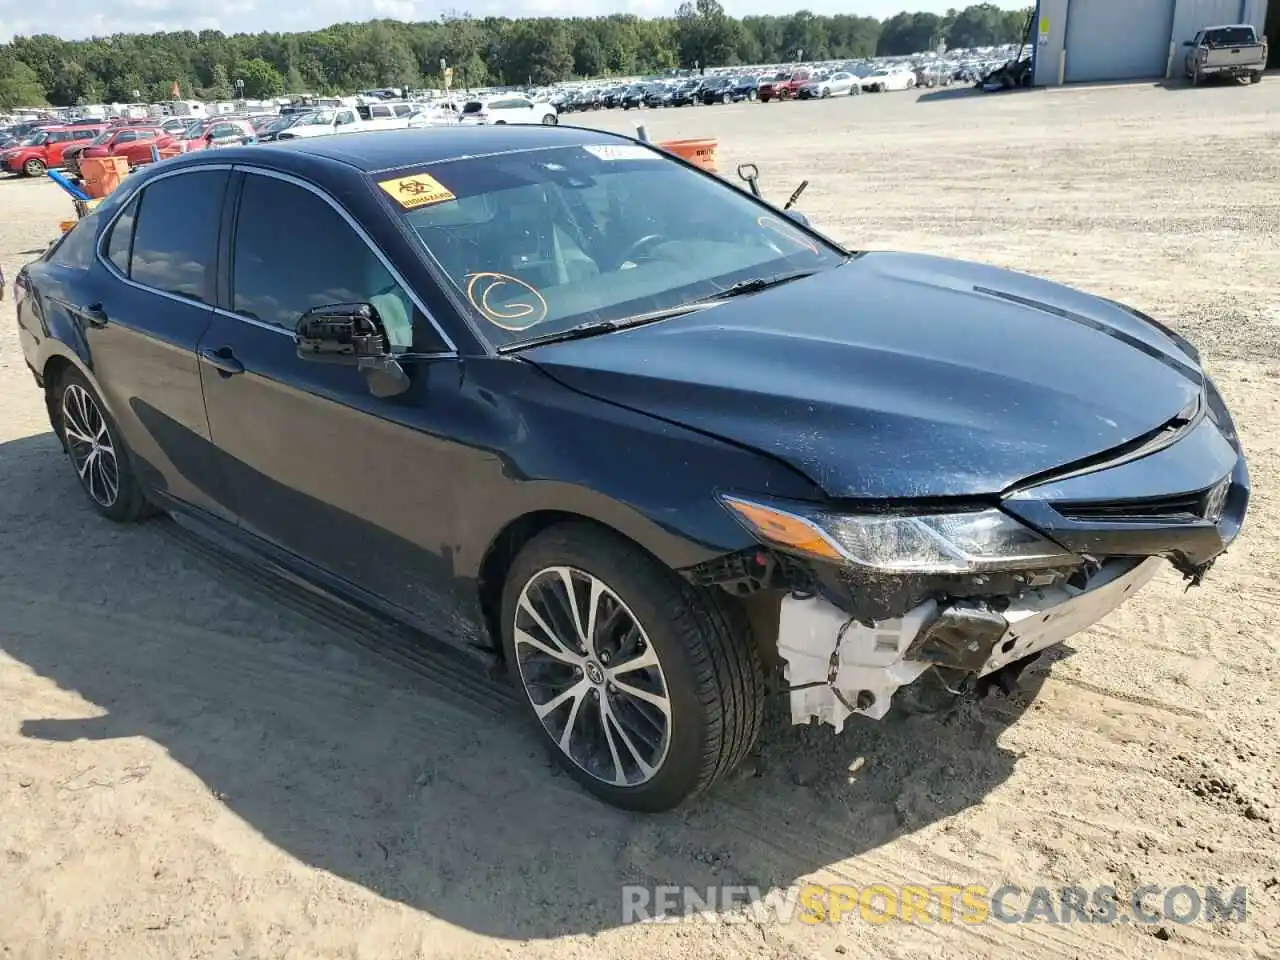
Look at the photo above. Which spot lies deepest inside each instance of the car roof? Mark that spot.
(380, 150)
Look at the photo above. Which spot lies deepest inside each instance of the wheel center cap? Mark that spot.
(594, 673)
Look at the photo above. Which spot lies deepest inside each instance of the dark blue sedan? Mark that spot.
(564, 401)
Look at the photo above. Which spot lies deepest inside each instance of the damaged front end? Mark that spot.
(868, 602)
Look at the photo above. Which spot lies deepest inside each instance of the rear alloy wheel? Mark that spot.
(550, 120)
(648, 689)
(34, 168)
(93, 443)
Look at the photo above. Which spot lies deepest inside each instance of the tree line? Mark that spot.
(493, 50)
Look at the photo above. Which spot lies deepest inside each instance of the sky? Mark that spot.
(74, 19)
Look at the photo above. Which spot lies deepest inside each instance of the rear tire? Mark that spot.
(701, 683)
(1255, 77)
(97, 451)
(550, 120)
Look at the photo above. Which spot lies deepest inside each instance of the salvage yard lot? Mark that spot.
(193, 766)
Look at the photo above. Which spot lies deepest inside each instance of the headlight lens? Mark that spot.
(962, 542)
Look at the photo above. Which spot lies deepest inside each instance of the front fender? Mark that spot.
(563, 452)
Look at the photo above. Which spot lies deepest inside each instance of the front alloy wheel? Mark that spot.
(647, 689)
(592, 676)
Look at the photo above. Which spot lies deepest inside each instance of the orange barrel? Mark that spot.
(701, 153)
(101, 175)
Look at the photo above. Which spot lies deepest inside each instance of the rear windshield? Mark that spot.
(1229, 36)
(540, 240)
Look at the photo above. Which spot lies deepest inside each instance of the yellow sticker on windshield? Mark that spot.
(418, 190)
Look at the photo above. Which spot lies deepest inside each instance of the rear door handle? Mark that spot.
(224, 359)
(94, 315)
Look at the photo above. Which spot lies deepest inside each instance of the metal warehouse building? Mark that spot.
(1093, 40)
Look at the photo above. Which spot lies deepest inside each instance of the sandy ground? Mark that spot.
(193, 766)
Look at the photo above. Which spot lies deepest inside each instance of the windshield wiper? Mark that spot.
(755, 285)
(593, 328)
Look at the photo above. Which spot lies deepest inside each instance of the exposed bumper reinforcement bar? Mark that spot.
(836, 666)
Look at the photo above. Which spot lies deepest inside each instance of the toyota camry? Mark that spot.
(566, 402)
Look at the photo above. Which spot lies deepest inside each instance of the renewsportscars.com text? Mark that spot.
(937, 903)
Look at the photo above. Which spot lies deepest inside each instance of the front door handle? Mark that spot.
(224, 359)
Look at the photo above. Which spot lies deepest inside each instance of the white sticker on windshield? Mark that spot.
(622, 151)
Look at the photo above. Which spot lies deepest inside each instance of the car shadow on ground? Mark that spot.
(958, 91)
(365, 766)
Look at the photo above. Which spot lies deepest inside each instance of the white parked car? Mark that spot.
(322, 123)
(889, 78)
(512, 108)
(837, 85)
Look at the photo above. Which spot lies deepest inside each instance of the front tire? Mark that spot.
(97, 451)
(34, 168)
(648, 689)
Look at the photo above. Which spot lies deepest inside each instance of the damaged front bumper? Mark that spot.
(836, 666)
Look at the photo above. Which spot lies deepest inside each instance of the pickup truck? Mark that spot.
(327, 121)
(1230, 51)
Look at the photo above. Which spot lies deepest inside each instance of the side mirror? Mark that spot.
(1188, 43)
(341, 332)
(352, 334)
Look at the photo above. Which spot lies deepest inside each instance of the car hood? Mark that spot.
(898, 375)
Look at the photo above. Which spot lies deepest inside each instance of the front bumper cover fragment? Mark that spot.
(836, 666)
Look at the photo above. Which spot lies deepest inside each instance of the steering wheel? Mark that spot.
(634, 250)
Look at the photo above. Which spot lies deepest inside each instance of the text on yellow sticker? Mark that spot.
(418, 190)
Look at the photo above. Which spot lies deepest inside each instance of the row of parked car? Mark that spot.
(33, 149)
(799, 83)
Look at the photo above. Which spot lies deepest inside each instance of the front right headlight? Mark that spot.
(968, 541)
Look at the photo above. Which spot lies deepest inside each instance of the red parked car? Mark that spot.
(783, 86)
(132, 143)
(42, 151)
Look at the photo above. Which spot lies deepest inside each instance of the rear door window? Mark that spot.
(175, 241)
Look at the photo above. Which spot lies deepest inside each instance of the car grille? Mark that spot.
(1182, 508)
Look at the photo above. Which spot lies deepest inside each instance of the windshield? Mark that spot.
(101, 138)
(543, 240)
(321, 118)
(1229, 36)
(36, 139)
